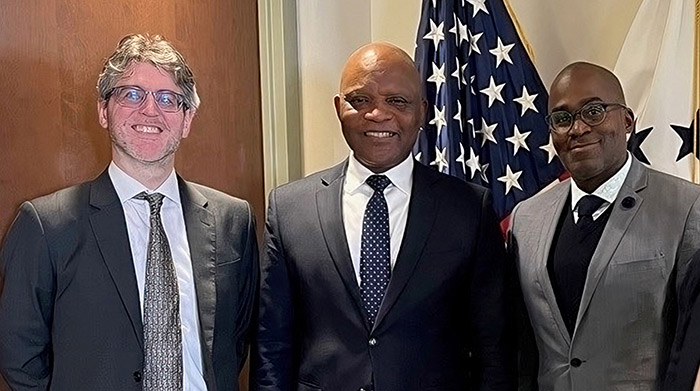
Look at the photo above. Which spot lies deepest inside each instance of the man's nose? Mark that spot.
(379, 113)
(579, 127)
(149, 107)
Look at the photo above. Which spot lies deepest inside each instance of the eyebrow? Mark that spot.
(585, 102)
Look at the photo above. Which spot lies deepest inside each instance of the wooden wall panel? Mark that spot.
(51, 53)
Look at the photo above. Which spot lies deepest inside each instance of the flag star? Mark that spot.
(470, 121)
(479, 5)
(418, 156)
(487, 131)
(473, 162)
(464, 80)
(549, 148)
(518, 140)
(434, 3)
(511, 179)
(457, 74)
(436, 33)
(458, 116)
(438, 120)
(474, 42)
(460, 31)
(501, 52)
(493, 91)
(484, 176)
(438, 77)
(527, 102)
(460, 158)
(440, 158)
(471, 84)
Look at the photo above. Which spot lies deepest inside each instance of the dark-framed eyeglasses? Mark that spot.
(592, 114)
(134, 96)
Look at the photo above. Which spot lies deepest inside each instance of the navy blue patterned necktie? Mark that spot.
(375, 267)
(162, 333)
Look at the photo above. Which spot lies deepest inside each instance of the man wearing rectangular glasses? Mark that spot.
(137, 280)
(598, 255)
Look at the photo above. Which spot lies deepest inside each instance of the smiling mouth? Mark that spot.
(380, 134)
(147, 129)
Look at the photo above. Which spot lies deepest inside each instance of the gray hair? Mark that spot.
(154, 50)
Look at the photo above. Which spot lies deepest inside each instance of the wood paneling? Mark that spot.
(50, 55)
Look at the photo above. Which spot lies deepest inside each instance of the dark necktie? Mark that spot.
(375, 267)
(161, 328)
(587, 205)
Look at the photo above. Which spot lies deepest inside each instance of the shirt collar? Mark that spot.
(609, 190)
(401, 175)
(127, 187)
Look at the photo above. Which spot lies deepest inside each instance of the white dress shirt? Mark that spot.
(137, 215)
(608, 191)
(356, 195)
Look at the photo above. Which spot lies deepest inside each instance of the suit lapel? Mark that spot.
(421, 217)
(201, 236)
(615, 229)
(552, 209)
(109, 227)
(330, 215)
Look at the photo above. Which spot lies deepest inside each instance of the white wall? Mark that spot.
(560, 31)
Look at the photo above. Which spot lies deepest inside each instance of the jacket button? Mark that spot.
(575, 362)
(137, 376)
(372, 342)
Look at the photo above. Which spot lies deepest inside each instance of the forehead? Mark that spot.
(148, 77)
(385, 75)
(577, 87)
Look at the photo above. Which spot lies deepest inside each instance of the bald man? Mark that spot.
(379, 273)
(598, 255)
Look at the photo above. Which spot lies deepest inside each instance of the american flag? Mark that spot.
(486, 103)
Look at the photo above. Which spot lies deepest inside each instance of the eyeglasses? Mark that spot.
(592, 114)
(133, 98)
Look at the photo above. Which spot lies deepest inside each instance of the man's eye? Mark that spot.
(595, 110)
(398, 102)
(167, 99)
(357, 101)
(132, 95)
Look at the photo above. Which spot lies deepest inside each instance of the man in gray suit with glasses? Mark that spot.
(598, 255)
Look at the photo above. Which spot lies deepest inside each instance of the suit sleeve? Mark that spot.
(248, 291)
(26, 304)
(272, 361)
(527, 354)
(490, 307)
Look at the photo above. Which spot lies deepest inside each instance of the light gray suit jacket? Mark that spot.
(622, 333)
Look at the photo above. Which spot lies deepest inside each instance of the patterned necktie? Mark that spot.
(375, 268)
(162, 336)
(587, 205)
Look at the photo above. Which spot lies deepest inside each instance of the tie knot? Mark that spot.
(155, 200)
(378, 182)
(589, 204)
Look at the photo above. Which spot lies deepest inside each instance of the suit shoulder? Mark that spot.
(220, 199)
(658, 178)
(447, 184)
(310, 183)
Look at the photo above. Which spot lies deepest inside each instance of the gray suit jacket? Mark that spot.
(70, 316)
(622, 334)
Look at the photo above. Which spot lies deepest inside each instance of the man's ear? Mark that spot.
(189, 115)
(337, 101)
(630, 121)
(102, 115)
